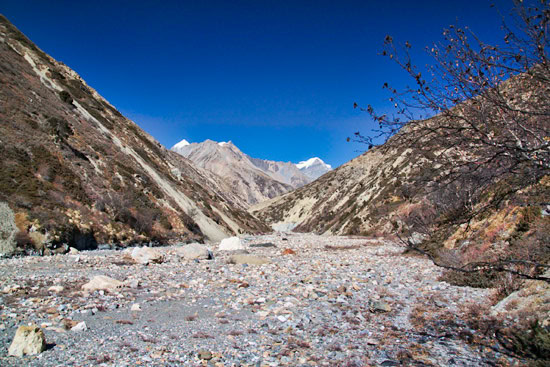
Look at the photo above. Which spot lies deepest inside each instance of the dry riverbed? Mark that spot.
(320, 301)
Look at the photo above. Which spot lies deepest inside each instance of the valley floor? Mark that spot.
(335, 301)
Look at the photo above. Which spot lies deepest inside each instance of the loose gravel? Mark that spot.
(320, 301)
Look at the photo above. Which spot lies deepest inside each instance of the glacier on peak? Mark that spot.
(312, 161)
(181, 144)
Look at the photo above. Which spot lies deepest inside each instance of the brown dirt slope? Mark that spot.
(75, 170)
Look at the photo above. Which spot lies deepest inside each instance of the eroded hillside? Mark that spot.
(75, 170)
(357, 198)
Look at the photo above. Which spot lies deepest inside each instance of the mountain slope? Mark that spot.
(76, 171)
(344, 201)
(253, 180)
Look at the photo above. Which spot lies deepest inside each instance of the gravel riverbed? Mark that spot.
(320, 301)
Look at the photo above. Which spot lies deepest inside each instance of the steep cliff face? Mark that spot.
(75, 170)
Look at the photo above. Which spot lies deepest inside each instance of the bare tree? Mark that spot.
(491, 99)
(483, 109)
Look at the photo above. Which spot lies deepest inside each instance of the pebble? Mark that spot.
(81, 326)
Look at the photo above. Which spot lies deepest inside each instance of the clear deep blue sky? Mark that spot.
(278, 78)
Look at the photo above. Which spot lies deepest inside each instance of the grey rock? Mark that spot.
(379, 306)
(194, 251)
(81, 326)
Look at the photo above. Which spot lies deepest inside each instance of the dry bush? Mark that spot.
(23, 240)
(525, 338)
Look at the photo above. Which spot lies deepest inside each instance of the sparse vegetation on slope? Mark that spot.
(76, 172)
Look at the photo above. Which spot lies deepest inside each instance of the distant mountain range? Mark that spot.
(252, 179)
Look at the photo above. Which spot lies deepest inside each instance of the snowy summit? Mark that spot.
(311, 162)
(181, 144)
(314, 167)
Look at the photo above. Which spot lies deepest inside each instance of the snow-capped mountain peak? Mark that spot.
(181, 144)
(311, 162)
(314, 167)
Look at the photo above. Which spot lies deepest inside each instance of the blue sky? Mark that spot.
(278, 78)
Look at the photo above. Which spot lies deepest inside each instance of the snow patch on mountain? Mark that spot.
(314, 168)
(311, 162)
(181, 144)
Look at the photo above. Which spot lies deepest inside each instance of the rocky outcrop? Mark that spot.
(8, 230)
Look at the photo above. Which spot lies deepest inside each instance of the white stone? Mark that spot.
(231, 244)
(135, 307)
(81, 326)
(146, 255)
(27, 340)
(100, 283)
(56, 288)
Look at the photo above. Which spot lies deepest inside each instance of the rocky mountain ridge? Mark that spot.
(76, 171)
(253, 179)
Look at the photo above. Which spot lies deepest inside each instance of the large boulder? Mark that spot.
(102, 283)
(146, 255)
(8, 230)
(27, 340)
(231, 244)
(194, 251)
